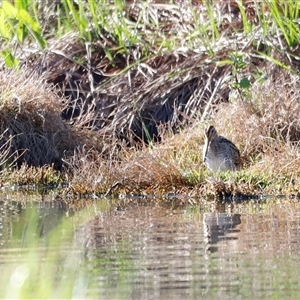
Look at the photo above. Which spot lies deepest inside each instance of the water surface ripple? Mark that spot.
(246, 250)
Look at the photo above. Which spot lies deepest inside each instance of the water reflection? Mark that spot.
(219, 227)
(145, 250)
(148, 251)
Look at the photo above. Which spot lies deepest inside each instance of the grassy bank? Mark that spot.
(114, 99)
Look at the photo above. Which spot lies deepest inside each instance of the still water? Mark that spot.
(149, 249)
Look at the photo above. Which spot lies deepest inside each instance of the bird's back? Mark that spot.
(220, 154)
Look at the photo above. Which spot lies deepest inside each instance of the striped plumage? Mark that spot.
(220, 154)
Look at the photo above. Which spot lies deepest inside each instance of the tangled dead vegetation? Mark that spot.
(163, 93)
(31, 127)
(100, 114)
(138, 97)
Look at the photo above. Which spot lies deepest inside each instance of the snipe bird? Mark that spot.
(220, 154)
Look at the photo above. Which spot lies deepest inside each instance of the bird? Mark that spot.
(219, 153)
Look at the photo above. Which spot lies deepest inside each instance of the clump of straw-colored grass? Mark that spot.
(30, 120)
(268, 120)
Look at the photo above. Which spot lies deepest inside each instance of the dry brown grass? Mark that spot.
(30, 120)
(172, 166)
(267, 121)
(159, 169)
(168, 97)
(265, 127)
(175, 164)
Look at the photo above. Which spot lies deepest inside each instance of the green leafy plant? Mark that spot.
(16, 24)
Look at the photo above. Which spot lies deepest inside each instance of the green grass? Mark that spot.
(98, 20)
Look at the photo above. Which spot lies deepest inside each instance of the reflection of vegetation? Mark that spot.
(123, 251)
(38, 273)
(47, 264)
